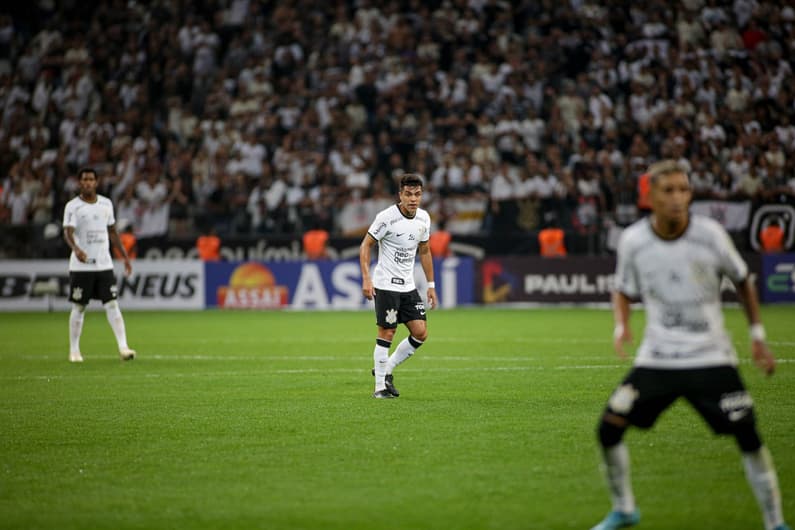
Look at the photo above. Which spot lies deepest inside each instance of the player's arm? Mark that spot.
(622, 334)
(116, 241)
(426, 260)
(364, 263)
(762, 356)
(69, 237)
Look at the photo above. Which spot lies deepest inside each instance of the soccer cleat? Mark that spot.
(383, 394)
(616, 519)
(390, 385)
(127, 354)
(75, 357)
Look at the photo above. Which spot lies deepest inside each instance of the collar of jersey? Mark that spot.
(404, 215)
(670, 239)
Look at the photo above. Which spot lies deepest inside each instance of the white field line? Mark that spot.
(432, 339)
(300, 371)
(354, 357)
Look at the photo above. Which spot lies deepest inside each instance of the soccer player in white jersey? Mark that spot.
(88, 221)
(674, 262)
(401, 231)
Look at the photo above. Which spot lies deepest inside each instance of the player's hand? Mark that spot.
(127, 267)
(81, 256)
(367, 289)
(433, 300)
(762, 357)
(621, 335)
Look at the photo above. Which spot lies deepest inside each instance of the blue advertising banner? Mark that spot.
(320, 284)
(778, 278)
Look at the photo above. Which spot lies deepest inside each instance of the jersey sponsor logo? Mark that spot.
(657, 354)
(404, 256)
(378, 229)
(398, 281)
(391, 316)
(623, 399)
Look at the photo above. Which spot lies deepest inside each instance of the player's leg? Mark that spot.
(108, 293)
(721, 399)
(616, 469)
(412, 313)
(638, 400)
(418, 332)
(380, 360)
(763, 479)
(386, 305)
(76, 317)
(80, 287)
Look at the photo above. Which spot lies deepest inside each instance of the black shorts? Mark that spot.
(393, 308)
(92, 285)
(717, 393)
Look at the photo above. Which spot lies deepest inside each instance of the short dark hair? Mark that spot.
(87, 170)
(410, 180)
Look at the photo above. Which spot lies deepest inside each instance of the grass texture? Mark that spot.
(266, 420)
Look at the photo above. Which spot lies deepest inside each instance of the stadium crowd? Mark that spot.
(263, 117)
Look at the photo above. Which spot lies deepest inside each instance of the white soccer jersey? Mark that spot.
(679, 282)
(398, 237)
(91, 222)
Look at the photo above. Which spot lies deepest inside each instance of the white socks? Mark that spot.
(759, 470)
(405, 349)
(76, 318)
(762, 477)
(616, 460)
(385, 363)
(380, 357)
(116, 323)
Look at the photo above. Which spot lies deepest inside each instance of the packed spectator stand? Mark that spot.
(274, 117)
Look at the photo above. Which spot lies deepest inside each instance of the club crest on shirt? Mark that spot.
(391, 316)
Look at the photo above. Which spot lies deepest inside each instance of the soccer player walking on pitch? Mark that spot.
(88, 221)
(674, 263)
(400, 230)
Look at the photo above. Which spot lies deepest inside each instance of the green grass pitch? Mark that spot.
(266, 420)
